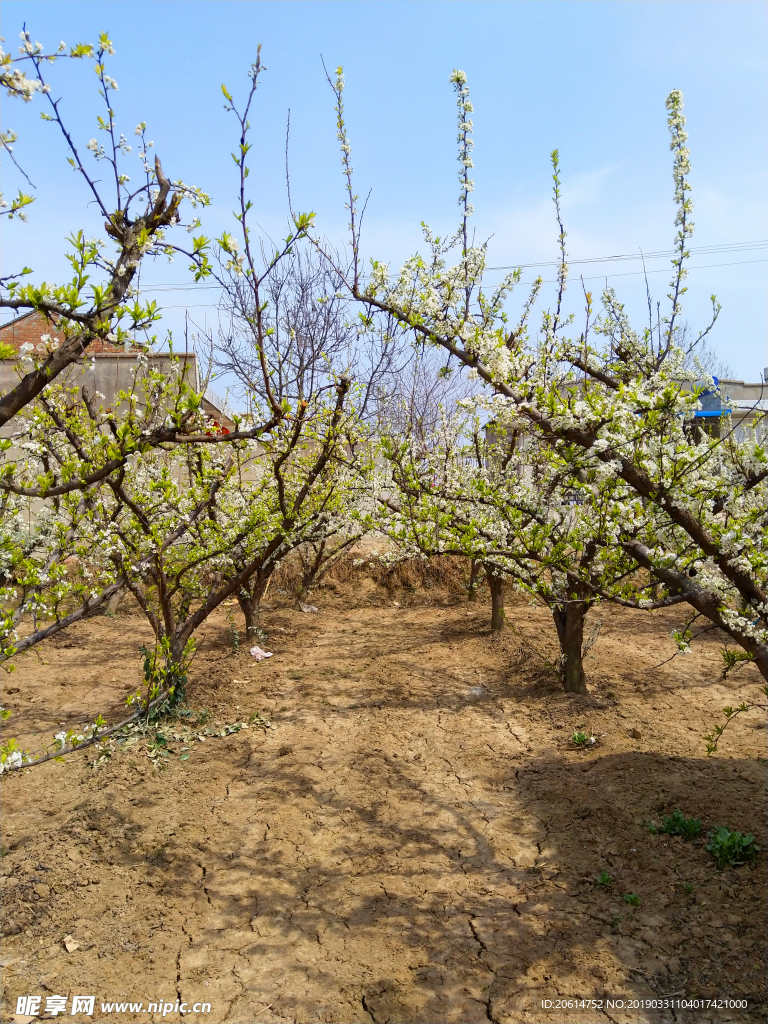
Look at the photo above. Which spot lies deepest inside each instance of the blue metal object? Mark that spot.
(711, 402)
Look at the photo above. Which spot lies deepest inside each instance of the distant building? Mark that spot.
(736, 406)
(105, 368)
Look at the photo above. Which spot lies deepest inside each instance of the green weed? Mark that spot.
(676, 824)
(233, 633)
(727, 847)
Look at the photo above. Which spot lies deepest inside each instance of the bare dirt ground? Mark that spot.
(415, 838)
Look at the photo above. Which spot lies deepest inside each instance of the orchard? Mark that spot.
(428, 685)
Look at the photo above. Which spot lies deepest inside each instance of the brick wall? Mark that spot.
(109, 375)
(28, 329)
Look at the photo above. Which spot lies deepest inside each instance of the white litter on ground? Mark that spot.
(260, 655)
(308, 609)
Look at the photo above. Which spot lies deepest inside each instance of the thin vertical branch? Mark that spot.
(562, 270)
(467, 185)
(680, 169)
(337, 86)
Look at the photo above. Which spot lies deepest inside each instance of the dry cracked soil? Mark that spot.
(405, 833)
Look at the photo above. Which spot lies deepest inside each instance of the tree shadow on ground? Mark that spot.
(371, 863)
(372, 884)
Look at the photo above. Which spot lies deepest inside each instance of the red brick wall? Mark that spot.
(28, 329)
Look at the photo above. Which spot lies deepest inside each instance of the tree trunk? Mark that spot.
(569, 622)
(249, 598)
(177, 654)
(311, 564)
(496, 584)
(175, 669)
(113, 602)
(249, 606)
(474, 572)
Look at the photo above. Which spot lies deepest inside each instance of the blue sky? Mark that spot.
(588, 78)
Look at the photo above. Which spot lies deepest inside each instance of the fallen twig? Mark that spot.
(100, 734)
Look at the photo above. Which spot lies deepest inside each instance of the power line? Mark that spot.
(661, 270)
(593, 277)
(704, 250)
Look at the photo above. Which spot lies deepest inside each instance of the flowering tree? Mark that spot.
(48, 565)
(312, 477)
(147, 494)
(187, 533)
(500, 499)
(610, 402)
(58, 441)
(135, 219)
(42, 454)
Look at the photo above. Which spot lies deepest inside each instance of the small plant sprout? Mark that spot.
(604, 879)
(733, 658)
(713, 738)
(583, 739)
(676, 824)
(257, 720)
(727, 847)
(233, 633)
(165, 678)
(631, 899)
